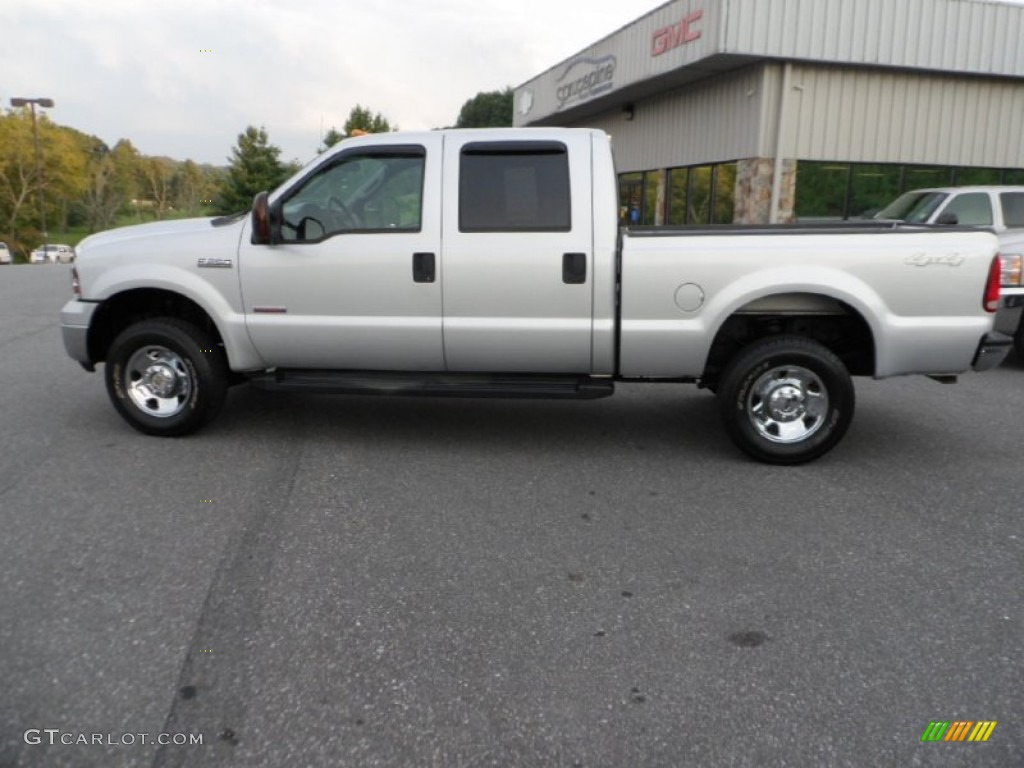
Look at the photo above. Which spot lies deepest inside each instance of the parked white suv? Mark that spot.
(5, 254)
(52, 253)
(998, 207)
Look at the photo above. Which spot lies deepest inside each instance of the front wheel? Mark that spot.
(786, 399)
(166, 377)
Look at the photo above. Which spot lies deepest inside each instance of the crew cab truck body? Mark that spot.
(490, 263)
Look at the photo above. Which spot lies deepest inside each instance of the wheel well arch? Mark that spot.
(831, 322)
(129, 307)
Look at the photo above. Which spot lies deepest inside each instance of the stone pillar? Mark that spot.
(754, 190)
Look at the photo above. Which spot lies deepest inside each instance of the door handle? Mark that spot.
(423, 268)
(574, 268)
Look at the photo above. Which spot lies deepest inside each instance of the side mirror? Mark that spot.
(262, 223)
(948, 219)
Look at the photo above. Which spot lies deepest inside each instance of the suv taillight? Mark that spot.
(990, 301)
(76, 285)
(1012, 264)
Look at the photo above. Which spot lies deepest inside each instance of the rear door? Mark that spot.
(518, 254)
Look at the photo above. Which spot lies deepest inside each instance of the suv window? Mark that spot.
(374, 191)
(973, 209)
(514, 187)
(1013, 208)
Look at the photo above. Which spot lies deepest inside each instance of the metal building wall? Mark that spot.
(861, 115)
(967, 36)
(716, 121)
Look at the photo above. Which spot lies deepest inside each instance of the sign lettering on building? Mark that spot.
(584, 79)
(675, 35)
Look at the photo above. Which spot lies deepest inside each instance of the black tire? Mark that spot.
(785, 399)
(166, 377)
(1018, 341)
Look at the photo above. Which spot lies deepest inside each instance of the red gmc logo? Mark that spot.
(667, 38)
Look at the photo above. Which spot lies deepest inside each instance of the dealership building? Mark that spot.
(755, 111)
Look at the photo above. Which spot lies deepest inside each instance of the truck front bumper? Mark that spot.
(75, 317)
(992, 350)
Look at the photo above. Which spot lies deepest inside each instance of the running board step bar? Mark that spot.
(434, 384)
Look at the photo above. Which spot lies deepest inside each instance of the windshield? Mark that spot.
(914, 207)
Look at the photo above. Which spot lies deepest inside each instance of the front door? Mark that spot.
(353, 284)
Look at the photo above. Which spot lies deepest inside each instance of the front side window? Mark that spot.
(375, 191)
(971, 210)
(514, 187)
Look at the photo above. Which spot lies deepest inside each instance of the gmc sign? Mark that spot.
(667, 38)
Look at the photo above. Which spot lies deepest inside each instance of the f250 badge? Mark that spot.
(924, 260)
(210, 263)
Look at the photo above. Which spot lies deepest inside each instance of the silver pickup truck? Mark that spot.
(490, 263)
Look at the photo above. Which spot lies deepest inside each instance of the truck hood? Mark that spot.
(127, 236)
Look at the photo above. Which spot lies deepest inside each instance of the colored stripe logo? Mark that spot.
(958, 730)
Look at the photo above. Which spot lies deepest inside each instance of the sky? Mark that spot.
(183, 78)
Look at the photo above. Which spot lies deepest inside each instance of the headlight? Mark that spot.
(1011, 267)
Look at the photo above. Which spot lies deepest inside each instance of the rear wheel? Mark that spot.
(1018, 341)
(786, 399)
(166, 377)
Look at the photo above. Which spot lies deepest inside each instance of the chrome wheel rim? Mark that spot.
(787, 404)
(157, 381)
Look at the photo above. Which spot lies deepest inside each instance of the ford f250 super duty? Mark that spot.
(490, 263)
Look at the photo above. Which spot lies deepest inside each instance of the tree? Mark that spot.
(255, 166)
(491, 109)
(63, 176)
(112, 183)
(360, 120)
(155, 179)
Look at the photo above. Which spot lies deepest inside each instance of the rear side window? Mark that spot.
(514, 187)
(1013, 208)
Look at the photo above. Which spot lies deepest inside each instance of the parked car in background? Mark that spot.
(52, 253)
(5, 254)
(998, 207)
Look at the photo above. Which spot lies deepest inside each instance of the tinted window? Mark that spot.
(1013, 208)
(377, 192)
(513, 187)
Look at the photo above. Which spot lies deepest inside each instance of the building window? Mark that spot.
(965, 177)
(821, 190)
(631, 198)
(702, 194)
(648, 216)
(860, 190)
(725, 193)
(872, 187)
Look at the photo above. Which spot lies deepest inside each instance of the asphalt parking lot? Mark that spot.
(375, 582)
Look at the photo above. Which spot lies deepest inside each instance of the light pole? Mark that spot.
(42, 102)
